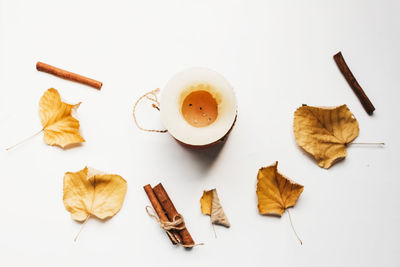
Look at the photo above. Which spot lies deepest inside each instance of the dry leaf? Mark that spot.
(275, 192)
(59, 127)
(210, 205)
(325, 132)
(89, 192)
(206, 202)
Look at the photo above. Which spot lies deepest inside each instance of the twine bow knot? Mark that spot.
(177, 223)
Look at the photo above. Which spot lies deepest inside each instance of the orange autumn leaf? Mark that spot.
(325, 132)
(275, 192)
(59, 126)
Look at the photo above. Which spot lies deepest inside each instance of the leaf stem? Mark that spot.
(215, 233)
(367, 143)
(80, 230)
(26, 139)
(291, 223)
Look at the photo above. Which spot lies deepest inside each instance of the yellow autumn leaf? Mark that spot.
(59, 127)
(325, 132)
(210, 205)
(206, 202)
(275, 192)
(91, 193)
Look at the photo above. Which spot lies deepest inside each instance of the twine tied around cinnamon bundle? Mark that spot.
(177, 223)
(155, 104)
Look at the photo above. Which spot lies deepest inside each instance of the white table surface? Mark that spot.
(276, 54)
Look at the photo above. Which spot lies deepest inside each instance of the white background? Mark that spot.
(276, 54)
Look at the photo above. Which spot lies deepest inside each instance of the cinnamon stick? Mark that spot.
(40, 66)
(351, 80)
(171, 211)
(159, 210)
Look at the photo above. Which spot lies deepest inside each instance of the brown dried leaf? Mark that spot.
(275, 192)
(325, 132)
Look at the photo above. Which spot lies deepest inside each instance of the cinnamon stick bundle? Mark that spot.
(351, 80)
(171, 211)
(40, 66)
(160, 212)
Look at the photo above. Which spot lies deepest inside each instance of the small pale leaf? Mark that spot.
(217, 214)
(210, 205)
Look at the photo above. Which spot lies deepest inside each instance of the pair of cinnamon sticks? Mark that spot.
(167, 212)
